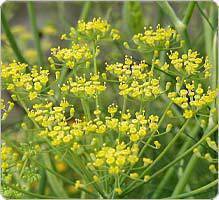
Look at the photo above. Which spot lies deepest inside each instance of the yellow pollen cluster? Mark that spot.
(54, 122)
(133, 128)
(161, 38)
(190, 63)
(192, 98)
(116, 159)
(82, 86)
(135, 80)
(7, 157)
(5, 110)
(77, 54)
(93, 30)
(18, 80)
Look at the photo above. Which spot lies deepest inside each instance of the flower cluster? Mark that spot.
(192, 98)
(161, 38)
(17, 80)
(70, 57)
(82, 87)
(115, 159)
(53, 121)
(94, 30)
(6, 110)
(188, 64)
(135, 80)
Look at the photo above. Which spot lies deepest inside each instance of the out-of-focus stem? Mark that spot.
(85, 10)
(194, 192)
(189, 12)
(124, 104)
(95, 71)
(42, 182)
(180, 26)
(61, 13)
(86, 109)
(32, 17)
(11, 38)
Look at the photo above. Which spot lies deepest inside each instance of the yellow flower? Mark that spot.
(134, 137)
(188, 114)
(146, 178)
(147, 161)
(118, 190)
(157, 144)
(134, 175)
(32, 95)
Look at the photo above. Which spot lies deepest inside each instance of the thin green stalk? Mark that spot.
(95, 58)
(159, 124)
(195, 192)
(61, 13)
(42, 183)
(86, 109)
(167, 148)
(124, 104)
(171, 170)
(11, 38)
(158, 172)
(160, 156)
(95, 72)
(188, 13)
(190, 166)
(29, 193)
(85, 10)
(205, 17)
(33, 23)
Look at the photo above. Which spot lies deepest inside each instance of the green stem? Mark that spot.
(32, 17)
(42, 183)
(52, 179)
(94, 58)
(190, 166)
(61, 14)
(85, 10)
(124, 104)
(167, 148)
(158, 172)
(159, 124)
(29, 193)
(195, 192)
(171, 170)
(179, 25)
(189, 12)
(95, 72)
(86, 109)
(205, 17)
(11, 38)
